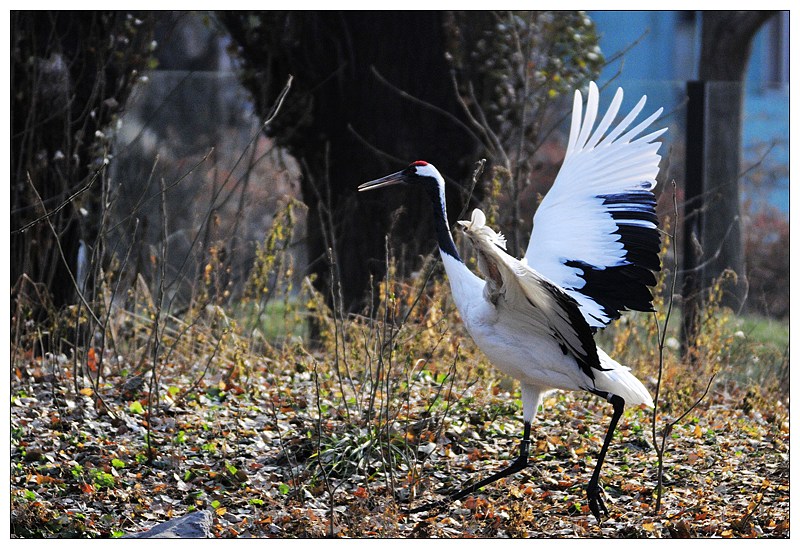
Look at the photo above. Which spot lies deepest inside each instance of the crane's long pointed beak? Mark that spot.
(391, 179)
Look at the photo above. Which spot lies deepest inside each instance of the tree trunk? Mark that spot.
(725, 50)
(346, 126)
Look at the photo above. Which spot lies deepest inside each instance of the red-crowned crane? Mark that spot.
(592, 253)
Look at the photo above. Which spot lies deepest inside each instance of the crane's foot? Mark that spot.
(428, 506)
(446, 499)
(595, 497)
(518, 465)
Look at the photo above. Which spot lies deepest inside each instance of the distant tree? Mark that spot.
(375, 90)
(70, 75)
(517, 72)
(725, 51)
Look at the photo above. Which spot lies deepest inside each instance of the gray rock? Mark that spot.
(193, 525)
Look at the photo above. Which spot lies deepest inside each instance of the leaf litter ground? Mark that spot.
(278, 455)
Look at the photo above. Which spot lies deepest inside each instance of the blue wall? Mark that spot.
(653, 58)
(667, 56)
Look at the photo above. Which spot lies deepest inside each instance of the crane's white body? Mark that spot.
(516, 336)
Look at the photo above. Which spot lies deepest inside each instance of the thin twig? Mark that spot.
(152, 397)
(61, 206)
(661, 449)
(405, 95)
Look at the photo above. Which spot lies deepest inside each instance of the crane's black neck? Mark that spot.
(443, 235)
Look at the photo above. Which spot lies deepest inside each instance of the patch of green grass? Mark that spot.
(766, 331)
(277, 320)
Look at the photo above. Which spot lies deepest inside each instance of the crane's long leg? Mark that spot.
(519, 464)
(596, 503)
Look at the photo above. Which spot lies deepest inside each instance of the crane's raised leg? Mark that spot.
(519, 464)
(596, 503)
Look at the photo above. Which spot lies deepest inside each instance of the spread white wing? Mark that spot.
(595, 233)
